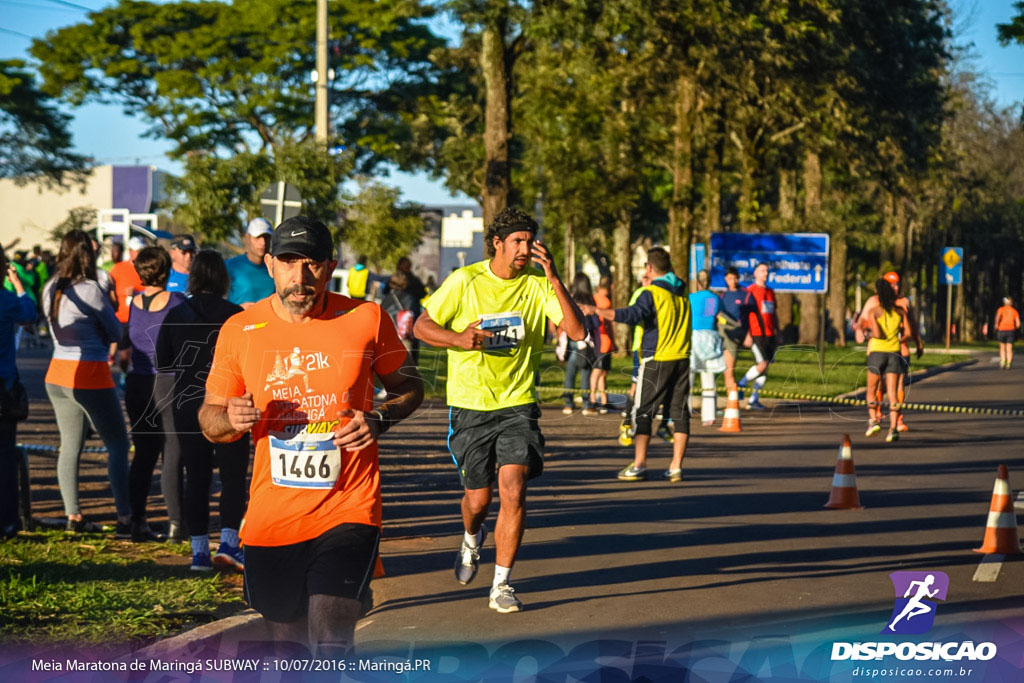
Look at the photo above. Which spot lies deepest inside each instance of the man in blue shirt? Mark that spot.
(182, 251)
(706, 345)
(250, 281)
(736, 304)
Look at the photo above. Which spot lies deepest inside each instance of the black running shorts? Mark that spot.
(885, 363)
(481, 441)
(663, 381)
(1006, 336)
(764, 349)
(338, 562)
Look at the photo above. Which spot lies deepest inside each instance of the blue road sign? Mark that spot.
(951, 263)
(798, 262)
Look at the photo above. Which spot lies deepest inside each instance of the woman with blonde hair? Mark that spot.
(83, 325)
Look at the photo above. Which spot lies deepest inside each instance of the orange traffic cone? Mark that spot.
(731, 421)
(844, 482)
(1001, 529)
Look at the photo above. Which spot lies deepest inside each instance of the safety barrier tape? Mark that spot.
(929, 407)
(838, 400)
(41, 448)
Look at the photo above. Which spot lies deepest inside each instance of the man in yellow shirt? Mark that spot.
(663, 309)
(491, 316)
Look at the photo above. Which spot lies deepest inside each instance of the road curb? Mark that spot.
(247, 625)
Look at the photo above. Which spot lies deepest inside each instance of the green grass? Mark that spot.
(90, 589)
(795, 370)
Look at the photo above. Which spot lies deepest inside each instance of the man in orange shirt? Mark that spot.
(1007, 324)
(297, 370)
(126, 280)
(126, 285)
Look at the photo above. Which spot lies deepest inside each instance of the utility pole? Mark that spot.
(320, 121)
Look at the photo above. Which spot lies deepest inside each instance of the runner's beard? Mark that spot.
(298, 307)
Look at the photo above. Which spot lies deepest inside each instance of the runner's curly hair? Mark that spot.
(508, 221)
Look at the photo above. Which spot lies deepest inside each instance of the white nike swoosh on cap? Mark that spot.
(296, 234)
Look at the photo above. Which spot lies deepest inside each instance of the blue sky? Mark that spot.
(111, 137)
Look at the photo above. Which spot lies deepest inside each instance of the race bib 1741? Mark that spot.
(304, 462)
(507, 330)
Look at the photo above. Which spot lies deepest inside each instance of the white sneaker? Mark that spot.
(503, 598)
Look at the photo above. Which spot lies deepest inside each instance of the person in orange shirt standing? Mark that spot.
(126, 285)
(1007, 324)
(296, 369)
(606, 347)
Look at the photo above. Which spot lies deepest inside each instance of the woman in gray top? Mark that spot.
(83, 325)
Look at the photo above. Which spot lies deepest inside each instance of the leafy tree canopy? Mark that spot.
(222, 77)
(34, 137)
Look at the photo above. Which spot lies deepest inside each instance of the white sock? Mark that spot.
(758, 385)
(472, 540)
(229, 537)
(500, 575)
(200, 544)
(751, 375)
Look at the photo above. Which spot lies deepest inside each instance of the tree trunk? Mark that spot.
(899, 233)
(622, 260)
(787, 196)
(787, 212)
(885, 255)
(837, 283)
(810, 311)
(784, 312)
(497, 129)
(570, 253)
(680, 213)
(713, 190)
(746, 207)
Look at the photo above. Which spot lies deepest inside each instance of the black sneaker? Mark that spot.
(467, 562)
(123, 531)
(83, 526)
(141, 533)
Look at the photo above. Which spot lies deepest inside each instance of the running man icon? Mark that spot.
(918, 590)
(915, 607)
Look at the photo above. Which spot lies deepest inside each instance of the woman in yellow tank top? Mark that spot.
(889, 327)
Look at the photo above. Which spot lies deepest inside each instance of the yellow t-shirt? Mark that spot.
(501, 375)
(889, 322)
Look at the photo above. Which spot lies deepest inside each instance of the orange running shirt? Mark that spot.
(1007, 318)
(300, 376)
(126, 283)
(602, 301)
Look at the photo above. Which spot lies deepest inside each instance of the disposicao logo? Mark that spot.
(914, 611)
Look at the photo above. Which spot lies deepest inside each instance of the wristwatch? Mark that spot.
(383, 419)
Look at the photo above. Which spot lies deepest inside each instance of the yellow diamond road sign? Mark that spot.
(950, 258)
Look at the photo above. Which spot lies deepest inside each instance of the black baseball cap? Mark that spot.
(302, 236)
(183, 243)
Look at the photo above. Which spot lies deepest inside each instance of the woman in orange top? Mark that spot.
(83, 325)
(606, 346)
(1007, 324)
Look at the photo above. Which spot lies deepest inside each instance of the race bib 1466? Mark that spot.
(304, 461)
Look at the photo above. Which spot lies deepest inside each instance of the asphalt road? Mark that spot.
(742, 550)
(744, 539)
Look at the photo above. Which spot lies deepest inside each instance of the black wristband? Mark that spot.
(383, 419)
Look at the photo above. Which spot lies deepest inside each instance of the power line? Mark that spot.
(29, 5)
(71, 4)
(16, 33)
